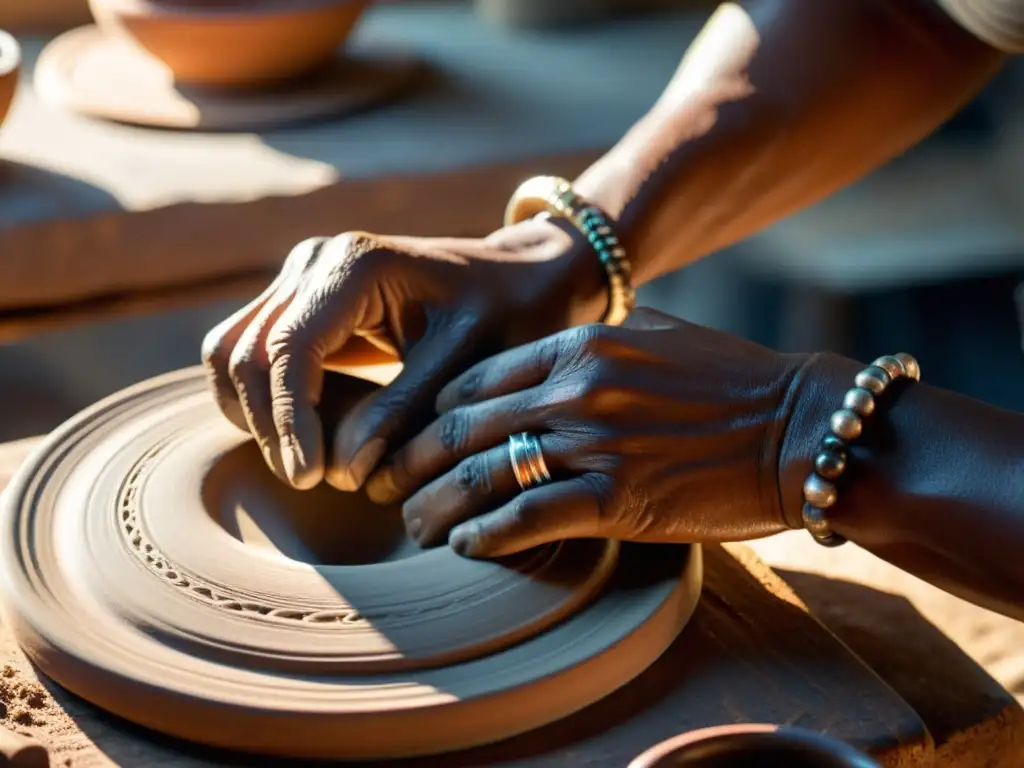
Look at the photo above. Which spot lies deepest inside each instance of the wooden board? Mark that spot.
(90, 210)
(752, 652)
(948, 658)
(193, 252)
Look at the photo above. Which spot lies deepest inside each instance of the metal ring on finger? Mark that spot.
(527, 459)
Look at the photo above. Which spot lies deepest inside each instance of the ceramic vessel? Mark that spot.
(10, 64)
(152, 564)
(230, 43)
(753, 746)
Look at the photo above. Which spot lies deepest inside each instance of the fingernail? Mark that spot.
(382, 489)
(462, 539)
(362, 464)
(414, 528)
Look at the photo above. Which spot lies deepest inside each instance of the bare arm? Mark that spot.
(776, 105)
(935, 486)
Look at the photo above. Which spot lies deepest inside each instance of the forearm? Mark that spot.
(776, 105)
(936, 485)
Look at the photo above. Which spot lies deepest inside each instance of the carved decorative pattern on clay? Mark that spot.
(197, 588)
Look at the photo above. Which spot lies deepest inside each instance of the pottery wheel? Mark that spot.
(108, 76)
(154, 566)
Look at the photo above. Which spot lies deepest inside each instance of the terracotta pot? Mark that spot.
(233, 43)
(753, 746)
(10, 64)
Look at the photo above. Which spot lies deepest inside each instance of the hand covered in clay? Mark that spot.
(657, 431)
(438, 305)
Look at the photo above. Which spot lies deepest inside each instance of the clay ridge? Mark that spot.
(217, 597)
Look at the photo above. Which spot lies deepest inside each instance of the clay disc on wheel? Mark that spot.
(110, 77)
(154, 566)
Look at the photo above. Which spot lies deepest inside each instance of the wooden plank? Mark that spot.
(923, 642)
(91, 209)
(107, 257)
(752, 652)
(16, 325)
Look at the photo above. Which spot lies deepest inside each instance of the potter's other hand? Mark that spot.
(439, 305)
(656, 431)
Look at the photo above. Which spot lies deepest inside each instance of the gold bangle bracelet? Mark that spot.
(557, 197)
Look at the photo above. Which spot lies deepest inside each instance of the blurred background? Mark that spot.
(924, 256)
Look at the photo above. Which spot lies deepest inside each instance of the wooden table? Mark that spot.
(100, 219)
(752, 652)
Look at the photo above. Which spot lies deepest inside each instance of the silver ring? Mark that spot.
(527, 459)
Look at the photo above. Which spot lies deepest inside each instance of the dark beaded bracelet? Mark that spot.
(845, 426)
(557, 197)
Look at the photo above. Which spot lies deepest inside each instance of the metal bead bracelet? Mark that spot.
(557, 197)
(845, 426)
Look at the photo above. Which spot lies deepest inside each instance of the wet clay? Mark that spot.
(10, 64)
(154, 567)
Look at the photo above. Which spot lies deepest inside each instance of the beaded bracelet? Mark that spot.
(557, 197)
(846, 425)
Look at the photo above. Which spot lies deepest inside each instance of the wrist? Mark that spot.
(579, 274)
(612, 185)
(815, 393)
(566, 283)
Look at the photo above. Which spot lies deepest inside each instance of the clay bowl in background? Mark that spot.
(10, 64)
(753, 746)
(233, 43)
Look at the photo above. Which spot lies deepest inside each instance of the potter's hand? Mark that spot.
(656, 431)
(439, 305)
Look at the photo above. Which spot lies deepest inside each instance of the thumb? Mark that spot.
(385, 420)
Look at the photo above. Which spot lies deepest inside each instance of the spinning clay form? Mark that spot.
(155, 567)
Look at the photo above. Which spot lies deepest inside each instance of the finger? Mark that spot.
(218, 345)
(478, 484)
(249, 369)
(509, 371)
(453, 436)
(220, 342)
(562, 510)
(404, 407)
(319, 320)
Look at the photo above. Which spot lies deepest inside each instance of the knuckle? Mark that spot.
(283, 406)
(473, 475)
(601, 488)
(468, 386)
(523, 514)
(214, 352)
(279, 347)
(591, 339)
(353, 250)
(455, 428)
(242, 365)
(601, 342)
(304, 254)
